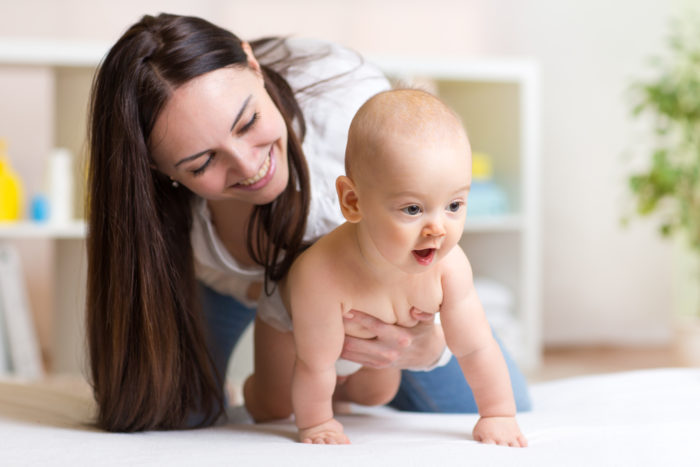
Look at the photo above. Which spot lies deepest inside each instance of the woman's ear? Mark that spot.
(252, 61)
(349, 201)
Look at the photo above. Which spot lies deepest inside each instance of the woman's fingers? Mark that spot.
(394, 345)
(368, 352)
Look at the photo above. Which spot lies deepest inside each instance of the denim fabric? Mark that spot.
(444, 389)
(225, 321)
(440, 390)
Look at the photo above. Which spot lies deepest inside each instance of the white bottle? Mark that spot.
(60, 186)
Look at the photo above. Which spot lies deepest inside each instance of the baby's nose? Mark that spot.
(434, 229)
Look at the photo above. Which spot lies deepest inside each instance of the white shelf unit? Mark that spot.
(498, 101)
(70, 67)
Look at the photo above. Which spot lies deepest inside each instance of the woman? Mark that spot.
(212, 167)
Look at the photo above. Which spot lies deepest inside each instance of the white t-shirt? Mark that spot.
(328, 109)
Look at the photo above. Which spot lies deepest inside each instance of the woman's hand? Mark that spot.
(395, 346)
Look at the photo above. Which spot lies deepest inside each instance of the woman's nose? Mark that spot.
(245, 160)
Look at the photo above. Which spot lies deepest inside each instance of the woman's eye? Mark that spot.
(412, 210)
(454, 206)
(200, 170)
(250, 123)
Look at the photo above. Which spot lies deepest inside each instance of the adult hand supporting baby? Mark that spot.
(395, 346)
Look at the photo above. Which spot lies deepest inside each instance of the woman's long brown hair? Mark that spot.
(149, 363)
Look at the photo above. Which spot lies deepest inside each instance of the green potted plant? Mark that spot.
(669, 186)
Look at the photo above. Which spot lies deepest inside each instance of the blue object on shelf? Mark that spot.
(39, 208)
(486, 198)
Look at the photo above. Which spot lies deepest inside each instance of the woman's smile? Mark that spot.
(262, 177)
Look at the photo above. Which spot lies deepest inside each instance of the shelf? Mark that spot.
(476, 69)
(40, 52)
(26, 229)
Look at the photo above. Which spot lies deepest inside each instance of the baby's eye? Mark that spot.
(412, 210)
(454, 206)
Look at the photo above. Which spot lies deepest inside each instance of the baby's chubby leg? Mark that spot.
(267, 392)
(368, 386)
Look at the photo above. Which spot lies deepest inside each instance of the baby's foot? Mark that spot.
(329, 432)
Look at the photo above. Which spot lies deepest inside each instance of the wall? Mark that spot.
(602, 283)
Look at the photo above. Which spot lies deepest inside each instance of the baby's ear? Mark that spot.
(349, 202)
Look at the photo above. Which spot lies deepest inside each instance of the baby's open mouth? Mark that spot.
(424, 256)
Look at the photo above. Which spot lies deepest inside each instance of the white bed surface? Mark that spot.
(641, 418)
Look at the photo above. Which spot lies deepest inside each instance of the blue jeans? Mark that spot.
(443, 389)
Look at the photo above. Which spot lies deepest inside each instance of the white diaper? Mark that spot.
(346, 367)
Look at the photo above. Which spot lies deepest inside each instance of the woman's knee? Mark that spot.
(263, 405)
(373, 387)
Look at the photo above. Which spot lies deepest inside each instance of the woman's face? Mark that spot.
(221, 136)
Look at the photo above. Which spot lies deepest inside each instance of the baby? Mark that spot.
(408, 173)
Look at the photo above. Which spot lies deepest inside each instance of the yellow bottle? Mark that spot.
(10, 188)
(482, 168)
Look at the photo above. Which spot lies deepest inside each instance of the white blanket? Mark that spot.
(642, 418)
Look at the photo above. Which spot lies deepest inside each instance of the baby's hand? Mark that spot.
(503, 431)
(329, 432)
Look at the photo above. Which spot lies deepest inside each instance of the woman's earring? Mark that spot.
(175, 184)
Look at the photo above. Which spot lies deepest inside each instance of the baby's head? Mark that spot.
(408, 172)
(393, 121)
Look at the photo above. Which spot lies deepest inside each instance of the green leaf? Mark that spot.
(671, 184)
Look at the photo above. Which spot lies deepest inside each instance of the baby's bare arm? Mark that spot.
(469, 337)
(318, 336)
(312, 392)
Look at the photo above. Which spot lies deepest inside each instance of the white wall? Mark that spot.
(602, 283)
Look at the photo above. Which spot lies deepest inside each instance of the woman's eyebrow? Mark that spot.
(192, 157)
(240, 112)
(235, 121)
